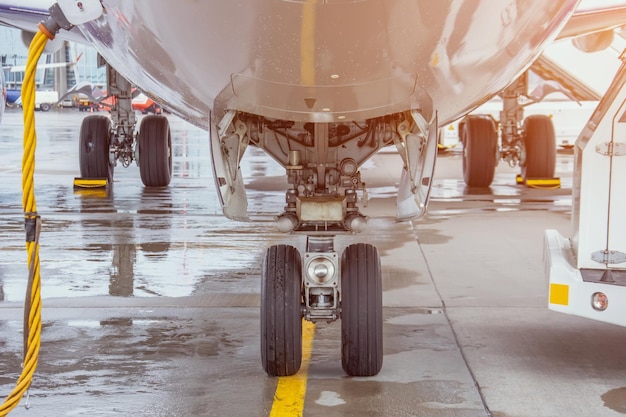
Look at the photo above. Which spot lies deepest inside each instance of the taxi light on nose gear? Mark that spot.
(320, 270)
(599, 301)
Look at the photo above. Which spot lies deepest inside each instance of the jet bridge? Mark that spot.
(587, 273)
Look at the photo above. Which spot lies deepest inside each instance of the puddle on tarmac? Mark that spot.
(615, 400)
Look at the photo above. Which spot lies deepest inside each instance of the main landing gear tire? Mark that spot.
(281, 316)
(539, 147)
(480, 143)
(94, 141)
(155, 151)
(361, 311)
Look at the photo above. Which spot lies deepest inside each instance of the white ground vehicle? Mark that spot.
(587, 273)
(44, 100)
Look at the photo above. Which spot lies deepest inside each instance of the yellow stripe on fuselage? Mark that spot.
(307, 43)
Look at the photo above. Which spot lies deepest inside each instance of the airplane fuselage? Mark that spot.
(323, 61)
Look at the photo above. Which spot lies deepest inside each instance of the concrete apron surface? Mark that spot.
(151, 296)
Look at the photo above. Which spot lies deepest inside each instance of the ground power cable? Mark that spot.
(32, 223)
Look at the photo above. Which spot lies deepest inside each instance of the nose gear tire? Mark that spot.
(281, 317)
(361, 311)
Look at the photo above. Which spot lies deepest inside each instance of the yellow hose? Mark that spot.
(32, 308)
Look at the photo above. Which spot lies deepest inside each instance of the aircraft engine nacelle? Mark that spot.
(594, 42)
(51, 46)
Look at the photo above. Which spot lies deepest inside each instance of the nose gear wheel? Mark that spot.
(361, 311)
(281, 316)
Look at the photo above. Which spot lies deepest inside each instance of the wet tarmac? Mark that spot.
(151, 296)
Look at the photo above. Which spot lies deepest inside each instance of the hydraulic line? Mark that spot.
(32, 222)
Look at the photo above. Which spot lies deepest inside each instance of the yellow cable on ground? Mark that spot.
(32, 308)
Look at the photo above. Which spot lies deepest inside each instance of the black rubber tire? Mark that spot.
(94, 143)
(361, 311)
(281, 316)
(539, 147)
(155, 151)
(45, 106)
(480, 147)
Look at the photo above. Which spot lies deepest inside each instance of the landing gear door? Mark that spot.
(228, 178)
(416, 180)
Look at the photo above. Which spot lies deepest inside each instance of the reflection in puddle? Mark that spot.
(122, 270)
(83, 323)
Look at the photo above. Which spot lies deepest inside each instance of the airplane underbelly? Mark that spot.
(323, 61)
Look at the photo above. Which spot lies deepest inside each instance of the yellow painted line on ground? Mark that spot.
(291, 390)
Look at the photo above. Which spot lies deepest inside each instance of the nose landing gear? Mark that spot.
(285, 300)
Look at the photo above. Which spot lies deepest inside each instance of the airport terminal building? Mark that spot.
(14, 51)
